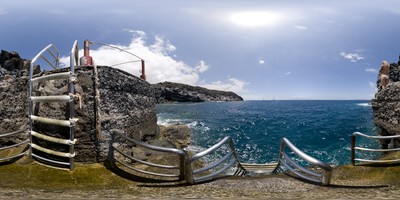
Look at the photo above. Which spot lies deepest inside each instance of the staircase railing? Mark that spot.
(54, 62)
(318, 171)
(6, 147)
(214, 169)
(355, 148)
(174, 171)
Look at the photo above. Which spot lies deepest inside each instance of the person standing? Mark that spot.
(384, 74)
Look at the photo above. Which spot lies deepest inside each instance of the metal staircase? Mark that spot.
(46, 155)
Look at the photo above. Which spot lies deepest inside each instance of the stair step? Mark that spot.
(50, 121)
(62, 75)
(53, 139)
(60, 98)
(52, 152)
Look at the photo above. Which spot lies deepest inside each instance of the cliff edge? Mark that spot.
(386, 106)
(177, 92)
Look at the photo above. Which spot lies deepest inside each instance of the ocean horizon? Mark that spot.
(320, 128)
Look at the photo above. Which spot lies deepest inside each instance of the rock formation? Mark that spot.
(177, 92)
(386, 106)
(127, 105)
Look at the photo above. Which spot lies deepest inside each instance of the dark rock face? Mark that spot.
(386, 107)
(127, 104)
(176, 92)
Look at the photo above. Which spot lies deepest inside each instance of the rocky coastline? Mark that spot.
(127, 104)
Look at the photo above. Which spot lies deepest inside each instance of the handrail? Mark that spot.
(55, 55)
(377, 137)
(302, 171)
(142, 71)
(229, 159)
(182, 158)
(70, 122)
(7, 147)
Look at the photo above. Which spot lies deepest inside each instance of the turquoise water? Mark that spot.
(322, 129)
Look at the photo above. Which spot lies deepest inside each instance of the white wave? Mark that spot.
(364, 104)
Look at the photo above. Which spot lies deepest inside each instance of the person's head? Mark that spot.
(385, 63)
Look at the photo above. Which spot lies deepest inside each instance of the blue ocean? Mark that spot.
(320, 128)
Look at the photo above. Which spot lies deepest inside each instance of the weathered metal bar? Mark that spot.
(53, 139)
(299, 167)
(60, 98)
(300, 174)
(71, 88)
(377, 161)
(14, 145)
(144, 162)
(62, 75)
(209, 150)
(146, 172)
(152, 147)
(306, 157)
(56, 122)
(52, 152)
(376, 136)
(288, 162)
(216, 173)
(51, 161)
(354, 148)
(12, 157)
(212, 165)
(48, 61)
(376, 150)
(12, 133)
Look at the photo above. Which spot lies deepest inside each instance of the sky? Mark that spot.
(260, 49)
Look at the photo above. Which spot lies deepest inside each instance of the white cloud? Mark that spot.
(231, 84)
(160, 61)
(353, 57)
(261, 61)
(372, 70)
(300, 27)
(202, 67)
(288, 73)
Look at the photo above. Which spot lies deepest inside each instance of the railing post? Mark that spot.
(353, 151)
(188, 169)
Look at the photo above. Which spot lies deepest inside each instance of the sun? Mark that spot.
(254, 19)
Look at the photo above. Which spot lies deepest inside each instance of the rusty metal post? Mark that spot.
(86, 60)
(143, 76)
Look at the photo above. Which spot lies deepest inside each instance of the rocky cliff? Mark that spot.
(176, 92)
(386, 106)
(127, 105)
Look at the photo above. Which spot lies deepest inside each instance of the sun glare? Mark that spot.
(253, 19)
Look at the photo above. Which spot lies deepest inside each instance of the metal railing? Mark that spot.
(317, 171)
(355, 148)
(49, 153)
(13, 146)
(49, 55)
(138, 59)
(214, 169)
(172, 171)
